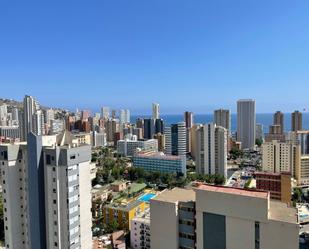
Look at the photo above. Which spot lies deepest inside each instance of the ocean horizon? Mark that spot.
(266, 119)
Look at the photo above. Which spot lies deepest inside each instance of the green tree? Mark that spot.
(112, 226)
(258, 142)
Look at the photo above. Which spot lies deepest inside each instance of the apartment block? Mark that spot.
(172, 215)
(123, 213)
(140, 231)
(280, 157)
(278, 184)
(47, 193)
(130, 144)
(158, 161)
(211, 217)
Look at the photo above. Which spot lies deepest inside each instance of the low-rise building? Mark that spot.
(278, 184)
(158, 161)
(119, 186)
(122, 213)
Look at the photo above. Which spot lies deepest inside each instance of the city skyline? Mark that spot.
(111, 50)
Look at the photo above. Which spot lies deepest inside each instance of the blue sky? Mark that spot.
(186, 55)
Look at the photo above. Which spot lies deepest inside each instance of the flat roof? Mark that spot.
(279, 211)
(129, 206)
(175, 194)
(235, 191)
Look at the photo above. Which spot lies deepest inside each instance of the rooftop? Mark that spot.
(125, 207)
(281, 212)
(235, 191)
(156, 155)
(175, 195)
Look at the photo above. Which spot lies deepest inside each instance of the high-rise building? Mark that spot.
(297, 121)
(124, 116)
(259, 134)
(149, 128)
(111, 127)
(302, 173)
(155, 111)
(175, 139)
(301, 138)
(188, 118)
(85, 115)
(3, 115)
(15, 115)
(159, 126)
(30, 106)
(105, 112)
(246, 123)
(211, 149)
(38, 123)
(222, 118)
(212, 217)
(281, 157)
(161, 141)
(279, 120)
(46, 192)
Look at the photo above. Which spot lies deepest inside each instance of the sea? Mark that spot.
(266, 119)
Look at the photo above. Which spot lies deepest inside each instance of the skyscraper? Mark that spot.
(175, 139)
(246, 123)
(211, 149)
(279, 120)
(38, 123)
(124, 116)
(3, 115)
(159, 126)
(30, 106)
(188, 118)
(105, 112)
(155, 111)
(259, 134)
(297, 121)
(149, 128)
(223, 118)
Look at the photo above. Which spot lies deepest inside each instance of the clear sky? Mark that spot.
(184, 54)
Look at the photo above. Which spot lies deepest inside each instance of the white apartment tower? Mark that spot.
(30, 106)
(155, 111)
(105, 112)
(124, 116)
(211, 149)
(47, 193)
(3, 115)
(246, 123)
(13, 163)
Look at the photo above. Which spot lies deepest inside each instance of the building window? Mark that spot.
(72, 157)
(48, 159)
(257, 235)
